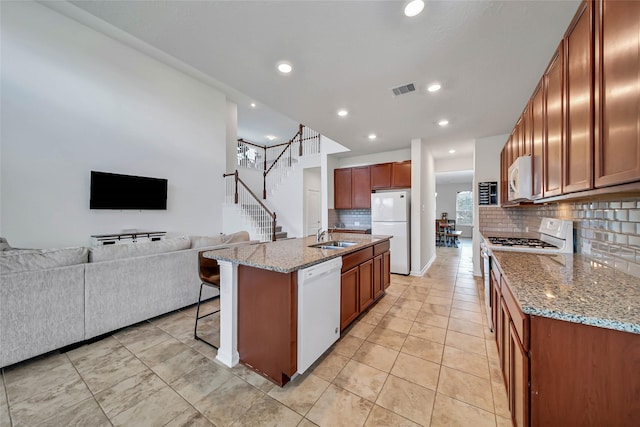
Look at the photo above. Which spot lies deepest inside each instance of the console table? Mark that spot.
(129, 237)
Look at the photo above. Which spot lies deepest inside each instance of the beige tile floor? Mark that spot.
(422, 355)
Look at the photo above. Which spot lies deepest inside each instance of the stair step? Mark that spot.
(278, 228)
(281, 235)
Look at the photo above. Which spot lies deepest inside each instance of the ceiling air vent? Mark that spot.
(401, 90)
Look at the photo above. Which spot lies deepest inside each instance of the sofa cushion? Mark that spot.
(4, 245)
(205, 241)
(29, 260)
(240, 236)
(131, 250)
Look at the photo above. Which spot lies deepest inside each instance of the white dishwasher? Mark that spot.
(318, 310)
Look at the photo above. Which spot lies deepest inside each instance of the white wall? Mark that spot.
(446, 202)
(454, 164)
(375, 158)
(423, 250)
(486, 168)
(74, 100)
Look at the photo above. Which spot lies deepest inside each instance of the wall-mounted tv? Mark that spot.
(114, 191)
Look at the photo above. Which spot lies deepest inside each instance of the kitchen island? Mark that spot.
(567, 330)
(259, 298)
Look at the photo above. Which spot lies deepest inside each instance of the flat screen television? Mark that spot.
(115, 191)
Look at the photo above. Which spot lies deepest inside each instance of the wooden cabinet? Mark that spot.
(386, 269)
(563, 373)
(268, 322)
(378, 273)
(365, 284)
(349, 297)
(537, 139)
(578, 146)
(519, 380)
(381, 176)
(401, 174)
(342, 188)
(352, 188)
(391, 175)
(617, 143)
(365, 275)
(525, 135)
(554, 115)
(360, 188)
(585, 114)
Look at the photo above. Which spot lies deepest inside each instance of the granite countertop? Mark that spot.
(286, 256)
(573, 288)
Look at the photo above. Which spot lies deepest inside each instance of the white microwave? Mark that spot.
(519, 179)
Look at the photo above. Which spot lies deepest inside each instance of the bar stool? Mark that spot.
(210, 276)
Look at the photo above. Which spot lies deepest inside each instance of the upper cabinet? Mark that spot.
(401, 174)
(342, 188)
(578, 147)
(391, 175)
(552, 163)
(381, 176)
(582, 124)
(617, 94)
(352, 188)
(537, 137)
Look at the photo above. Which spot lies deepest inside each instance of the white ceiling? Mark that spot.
(488, 56)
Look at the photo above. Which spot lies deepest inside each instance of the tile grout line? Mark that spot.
(6, 396)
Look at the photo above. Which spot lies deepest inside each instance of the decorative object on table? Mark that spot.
(444, 215)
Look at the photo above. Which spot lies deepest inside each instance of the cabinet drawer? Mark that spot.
(381, 248)
(519, 319)
(356, 258)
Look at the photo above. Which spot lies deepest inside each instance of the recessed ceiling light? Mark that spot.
(443, 122)
(284, 67)
(253, 105)
(413, 8)
(452, 151)
(372, 136)
(434, 87)
(271, 137)
(342, 113)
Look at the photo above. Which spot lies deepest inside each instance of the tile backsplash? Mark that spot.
(606, 230)
(349, 217)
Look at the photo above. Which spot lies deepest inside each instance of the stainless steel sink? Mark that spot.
(333, 244)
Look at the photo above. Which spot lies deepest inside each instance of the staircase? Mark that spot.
(276, 162)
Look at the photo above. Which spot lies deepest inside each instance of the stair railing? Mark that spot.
(277, 161)
(237, 192)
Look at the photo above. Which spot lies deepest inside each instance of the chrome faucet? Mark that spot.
(320, 234)
(332, 231)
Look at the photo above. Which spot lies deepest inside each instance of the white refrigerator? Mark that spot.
(390, 214)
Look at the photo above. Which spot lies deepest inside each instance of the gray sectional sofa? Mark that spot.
(54, 298)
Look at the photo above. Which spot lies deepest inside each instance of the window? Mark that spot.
(464, 208)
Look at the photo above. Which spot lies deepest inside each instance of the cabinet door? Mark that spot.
(378, 283)
(495, 307)
(525, 136)
(505, 357)
(386, 269)
(504, 171)
(401, 174)
(537, 138)
(360, 188)
(342, 188)
(365, 283)
(555, 126)
(349, 298)
(519, 376)
(617, 145)
(381, 176)
(517, 139)
(578, 147)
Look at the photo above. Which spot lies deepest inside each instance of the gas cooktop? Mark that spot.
(520, 242)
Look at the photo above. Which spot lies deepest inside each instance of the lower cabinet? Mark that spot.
(365, 284)
(268, 322)
(365, 276)
(349, 298)
(561, 373)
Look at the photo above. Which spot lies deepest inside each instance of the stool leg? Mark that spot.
(195, 329)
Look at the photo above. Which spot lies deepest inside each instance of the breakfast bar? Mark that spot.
(261, 301)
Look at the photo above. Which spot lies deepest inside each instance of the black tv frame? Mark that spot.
(127, 192)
